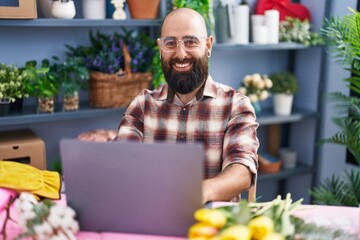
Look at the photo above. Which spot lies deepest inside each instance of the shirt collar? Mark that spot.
(208, 89)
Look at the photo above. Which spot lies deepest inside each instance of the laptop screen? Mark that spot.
(133, 187)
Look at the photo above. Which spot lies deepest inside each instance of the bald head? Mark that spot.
(184, 20)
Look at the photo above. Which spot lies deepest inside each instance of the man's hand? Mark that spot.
(233, 180)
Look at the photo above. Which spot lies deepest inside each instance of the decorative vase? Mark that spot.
(4, 106)
(71, 101)
(45, 104)
(282, 103)
(45, 7)
(256, 106)
(94, 9)
(143, 9)
(63, 9)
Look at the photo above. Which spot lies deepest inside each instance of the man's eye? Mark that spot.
(170, 43)
(191, 42)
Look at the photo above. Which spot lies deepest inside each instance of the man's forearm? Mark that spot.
(233, 180)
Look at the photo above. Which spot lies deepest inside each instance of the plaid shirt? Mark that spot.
(218, 117)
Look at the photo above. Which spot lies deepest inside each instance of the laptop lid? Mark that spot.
(133, 187)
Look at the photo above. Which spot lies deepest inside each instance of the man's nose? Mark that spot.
(180, 50)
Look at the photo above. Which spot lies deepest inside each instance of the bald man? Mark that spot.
(193, 108)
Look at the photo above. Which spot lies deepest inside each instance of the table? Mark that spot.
(346, 218)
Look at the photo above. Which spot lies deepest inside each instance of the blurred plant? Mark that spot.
(295, 30)
(72, 74)
(256, 87)
(343, 40)
(105, 54)
(271, 220)
(11, 83)
(156, 68)
(46, 219)
(40, 81)
(284, 82)
(204, 7)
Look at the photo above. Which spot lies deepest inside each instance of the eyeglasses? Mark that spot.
(190, 43)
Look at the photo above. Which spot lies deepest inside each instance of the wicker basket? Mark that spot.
(113, 90)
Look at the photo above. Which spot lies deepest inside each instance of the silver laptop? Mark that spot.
(133, 187)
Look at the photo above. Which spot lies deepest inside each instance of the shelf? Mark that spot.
(267, 117)
(253, 46)
(300, 169)
(29, 115)
(48, 22)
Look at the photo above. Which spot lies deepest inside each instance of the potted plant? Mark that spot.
(343, 41)
(11, 86)
(119, 65)
(73, 76)
(257, 88)
(285, 85)
(41, 82)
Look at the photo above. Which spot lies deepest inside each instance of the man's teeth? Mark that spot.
(182, 65)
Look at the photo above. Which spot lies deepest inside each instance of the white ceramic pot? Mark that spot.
(282, 103)
(63, 9)
(94, 9)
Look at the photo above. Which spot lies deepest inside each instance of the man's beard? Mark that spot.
(186, 82)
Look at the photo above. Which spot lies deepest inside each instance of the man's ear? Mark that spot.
(209, 43)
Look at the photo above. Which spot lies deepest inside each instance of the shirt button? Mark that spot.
(184, 109)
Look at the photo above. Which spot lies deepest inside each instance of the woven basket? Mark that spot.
(113, 90)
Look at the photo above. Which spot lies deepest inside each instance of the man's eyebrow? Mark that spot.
(169, 38)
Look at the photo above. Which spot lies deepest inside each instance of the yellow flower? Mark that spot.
(236, 232)
(212, 217)
(261, 226)
(202, 231)
(273, 236)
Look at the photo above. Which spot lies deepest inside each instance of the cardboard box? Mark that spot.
(23, 146)
(25, 9)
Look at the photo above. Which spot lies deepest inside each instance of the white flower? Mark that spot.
(242, 90)
(263, 95)
(253, 97)
(43, 231)
(268, 83)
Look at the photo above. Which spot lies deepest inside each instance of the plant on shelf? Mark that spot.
(257, 88)
(11, 86)
(297, 31)
(119, 64)
(285, 85)
(41, 82)
(156, 69)
(105, 51)
(11, 82)
(204, 7)
(343, 39)
(73, 76)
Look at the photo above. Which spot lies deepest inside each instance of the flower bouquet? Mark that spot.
(46, 219)
(257, 88)
(297, 31)
(271, 220)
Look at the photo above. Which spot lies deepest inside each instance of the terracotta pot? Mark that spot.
(143, 9)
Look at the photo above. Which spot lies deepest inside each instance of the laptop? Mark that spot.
(133, 187)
